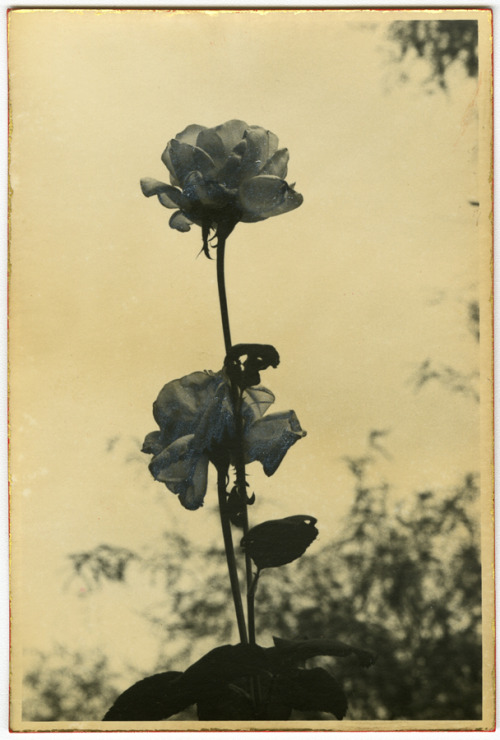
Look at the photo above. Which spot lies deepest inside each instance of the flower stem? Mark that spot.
(221, 284)
(239, 463)
(241, 486)
(231, 560)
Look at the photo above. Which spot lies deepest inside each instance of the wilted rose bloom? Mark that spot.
(195, 417)
(219, 176)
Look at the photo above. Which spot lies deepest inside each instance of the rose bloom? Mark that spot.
(195, 416)
(219, 176)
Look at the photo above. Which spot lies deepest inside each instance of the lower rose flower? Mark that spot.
(195, 416)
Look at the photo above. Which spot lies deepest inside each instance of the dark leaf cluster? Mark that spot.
(225, 682)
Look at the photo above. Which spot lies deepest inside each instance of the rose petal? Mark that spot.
(261, 194)
(261, 145)
(230, 133)
(210, 194)
(291, 201)
(181, 159)
(182, 403)
(251, 218)
(179, 221)
(256, 401)
(211, 143)
(150, 186)
(184, 471)
(166, 201)
(230, 174)
(217, 421)
(277, 165)
(268, 439)
(267, 195)
(153, 443)
(190, 134)
(241, 148)
(168, 196)
(167, 161)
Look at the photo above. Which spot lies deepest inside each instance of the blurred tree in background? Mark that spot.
(67, 685)
(401, 580)
(440, 44)
(449, 377)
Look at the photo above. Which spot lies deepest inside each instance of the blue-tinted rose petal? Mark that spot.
(150, 186)
(291, 201)
(207, 192)
(166, 201)
(261, 194)
(153, 444)
(167, 161)
(256, 401)
(175, 200)
(277, 165)
(268, 439)
(190, 134)
(211, 143)
(241, 148)
(184, 471)
(261, 145)
(251, 218)
(182, 403)
(168, 196)
(180, 221)
(230, 133)
(230, 172)
(265, 196)
(217, 421)
(185, 158)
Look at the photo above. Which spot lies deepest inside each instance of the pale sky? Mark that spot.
(356, 288)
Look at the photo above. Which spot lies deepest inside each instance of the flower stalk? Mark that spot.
(240, 455)
(241, 487)
(221, 285)
(230, 557)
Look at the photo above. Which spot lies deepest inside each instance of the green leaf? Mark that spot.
(280, 541)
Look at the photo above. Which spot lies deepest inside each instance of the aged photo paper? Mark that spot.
(345, 156)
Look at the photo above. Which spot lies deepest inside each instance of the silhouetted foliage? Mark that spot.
(222, 681)
(401, 581)
(440, 43)
(408, 587)
(473, 317)
(102, 563)
(67, 685)
(456, 381)
(448, 377)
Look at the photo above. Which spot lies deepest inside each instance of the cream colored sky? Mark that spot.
(355, 289)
